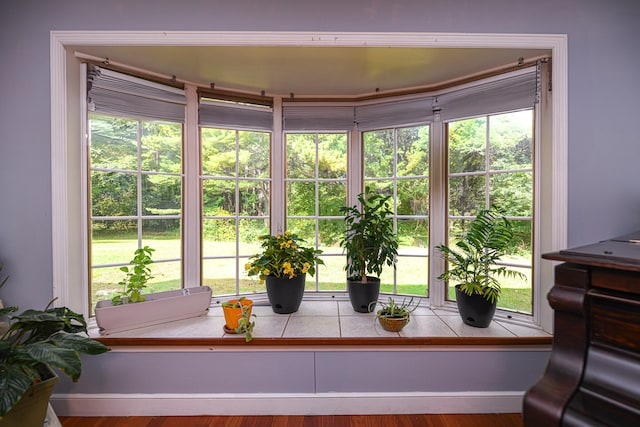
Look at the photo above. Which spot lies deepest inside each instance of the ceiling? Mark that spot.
(312, 71)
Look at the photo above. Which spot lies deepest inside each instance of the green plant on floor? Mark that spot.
(35, 342)
(137, 276)
(245, 324)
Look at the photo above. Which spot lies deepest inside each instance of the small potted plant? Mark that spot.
(237, 316)
(472, 266)
(36, 342)
(370, 243)
(283, 265)
(393, 317)
(130, 308)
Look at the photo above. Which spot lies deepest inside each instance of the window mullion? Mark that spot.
(438, 214)
(191, 189)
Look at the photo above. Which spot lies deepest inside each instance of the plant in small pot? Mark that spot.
(370, 243)
(130, 309)
(237, 316)
(283, 264)
(35, 342)
(393, 316)
(472, 266)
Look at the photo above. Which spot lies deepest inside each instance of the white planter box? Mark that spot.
(159, 307)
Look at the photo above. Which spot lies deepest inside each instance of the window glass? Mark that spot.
(136, 200)
(491, 164)
(316, 185)
(397, 164)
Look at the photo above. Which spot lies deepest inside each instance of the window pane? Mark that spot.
(167, 276)
(250, 284)
(413, 151)
(467, 145)
(218, 152)
(302, 227)
(254, 198)
(220, 275)
(332, 156)
(113, 194)
(104, 284)
(331, 275)
(413, 236)
(218, 197)
(301, 198)
(466, 195)
(522, 244)
(163, 235)
(253, 154)
(330, 232)
(379, 187)
(301, 155)
(161, 195)
(511, 140)
(332, 196)
(113, 242)
(250, 230)
(161, 148)
(378, 154)
(114, 143)
(412, 275)
(218, 237)
(516, 292)
(513, 192)
(413, 197)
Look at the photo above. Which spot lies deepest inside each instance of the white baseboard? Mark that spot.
(86, 405)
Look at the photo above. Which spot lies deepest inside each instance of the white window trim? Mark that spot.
(66, 191)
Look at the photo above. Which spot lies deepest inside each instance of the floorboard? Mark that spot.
(422, 420)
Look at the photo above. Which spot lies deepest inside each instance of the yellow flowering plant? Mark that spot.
(283, 256)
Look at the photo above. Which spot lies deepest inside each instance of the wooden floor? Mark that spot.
(466, 420)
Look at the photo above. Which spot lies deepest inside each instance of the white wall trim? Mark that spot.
(103, 405)
(59, 132)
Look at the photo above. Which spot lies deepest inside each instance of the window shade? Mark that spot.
(299, 117)
(396, 113)
(115, 93)
(512, 91)
(235, 116)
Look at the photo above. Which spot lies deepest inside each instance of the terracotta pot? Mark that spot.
(285, 295)
(232, 315)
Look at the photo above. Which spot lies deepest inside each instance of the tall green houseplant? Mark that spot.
(472, 262)
(370, 244)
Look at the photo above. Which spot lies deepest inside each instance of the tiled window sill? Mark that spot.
(329, 322)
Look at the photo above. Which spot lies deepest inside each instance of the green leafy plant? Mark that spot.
(283, 256)
(37, 340)
(472, 262)
(394, 310)
(136, 277)
(245, 324)
(369, 242)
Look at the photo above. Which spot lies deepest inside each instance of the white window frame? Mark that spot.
(67, 133)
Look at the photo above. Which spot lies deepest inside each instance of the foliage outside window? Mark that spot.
(136, 200)
(396, 163)
(316, 189)
(236, 197)
(491, 163)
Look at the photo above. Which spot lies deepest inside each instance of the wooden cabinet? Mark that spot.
(593, 375)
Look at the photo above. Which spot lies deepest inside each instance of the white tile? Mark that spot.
(312, 327)
(363, 326)
(462, 330)
(317, 308)
(346, 309)
(269, 326)
(524, 331)
(426, 326)
(197, 327)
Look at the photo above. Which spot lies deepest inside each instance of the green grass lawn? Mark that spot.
(219, 274)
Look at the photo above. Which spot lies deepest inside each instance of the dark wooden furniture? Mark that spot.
(593, 375)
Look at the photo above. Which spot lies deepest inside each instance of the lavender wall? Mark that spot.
(604, 151)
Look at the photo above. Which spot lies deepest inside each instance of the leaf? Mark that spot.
(13, 384)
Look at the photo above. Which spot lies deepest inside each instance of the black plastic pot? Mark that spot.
(285, 295)
(362, 294)
(475, 310)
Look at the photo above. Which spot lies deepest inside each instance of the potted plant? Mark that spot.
(472, 265)
(370, 243)
(237, 316)
(130, 308)
(283, 264)
(392, 316)
(35, 342)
